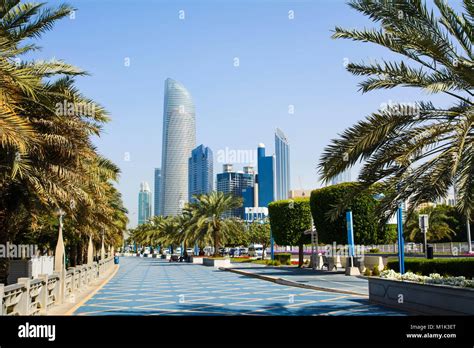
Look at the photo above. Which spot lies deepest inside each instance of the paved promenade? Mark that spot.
(336, 281)
(145, 286)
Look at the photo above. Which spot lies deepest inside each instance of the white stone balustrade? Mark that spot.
(37, 296)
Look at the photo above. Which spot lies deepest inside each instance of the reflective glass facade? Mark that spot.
(282, 165)
(179, 139)
(157, 194)
(201, 171)
(266, 177)
(235, 183)
(144, 203)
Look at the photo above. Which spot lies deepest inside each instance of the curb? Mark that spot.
(287, 282)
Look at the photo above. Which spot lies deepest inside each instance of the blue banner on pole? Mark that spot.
(350, 232)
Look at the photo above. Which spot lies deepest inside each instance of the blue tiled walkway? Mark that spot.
(144, 286)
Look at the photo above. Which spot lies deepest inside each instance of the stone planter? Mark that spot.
(196, 259)
(421, 298)
(371, 261)
(216, 262)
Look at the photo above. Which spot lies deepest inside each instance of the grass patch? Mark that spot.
(240, 259)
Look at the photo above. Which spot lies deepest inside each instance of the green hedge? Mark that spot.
(364, 215)
(444, 266)
(283, 258)
(289, 219)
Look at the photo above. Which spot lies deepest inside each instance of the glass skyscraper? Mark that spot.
(144, 203)
(201, 171)
(179, 139)
(266, 177)
(235, 183)
(157, 195)
(282, 157)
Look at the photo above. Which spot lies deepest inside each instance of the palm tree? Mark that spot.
(47, 159)
(416, 151)
(438, 228)
(209, 224)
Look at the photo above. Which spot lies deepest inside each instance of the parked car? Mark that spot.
(224, 251)
(234, 252)
(256, 250)
(243, 251)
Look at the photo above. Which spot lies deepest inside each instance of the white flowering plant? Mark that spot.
(433, 278)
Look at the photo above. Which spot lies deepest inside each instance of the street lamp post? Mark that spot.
(314, 245)
(423, 223)
(468, 231)
(401, 242)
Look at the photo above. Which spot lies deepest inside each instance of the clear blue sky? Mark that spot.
(282, 62)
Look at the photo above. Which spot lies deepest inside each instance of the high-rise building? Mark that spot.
(231, 182)
(144, 203)
(345, 176)
(282, 165)
(201, 171)
(266, 177)
(179, 139)
(157, 194)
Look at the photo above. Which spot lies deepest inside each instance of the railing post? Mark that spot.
(2, 294)
(58, 293)
(24, 302)
(43, 296)
(73, 269)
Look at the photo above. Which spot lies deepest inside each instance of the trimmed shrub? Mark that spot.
(365, 219)
(285, 259)
(445, 266)
(289, 219)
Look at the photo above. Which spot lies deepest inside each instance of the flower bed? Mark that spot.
(431, 294)
(433, 278)
(460, 266)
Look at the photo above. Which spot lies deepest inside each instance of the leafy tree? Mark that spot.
(288, 220)
(259, 233)
(368, 227)
(417, 152)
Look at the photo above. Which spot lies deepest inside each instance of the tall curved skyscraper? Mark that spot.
(179, 139)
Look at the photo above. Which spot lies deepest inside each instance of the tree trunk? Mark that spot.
(73, 256)
(300, 255)
(216, 244)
